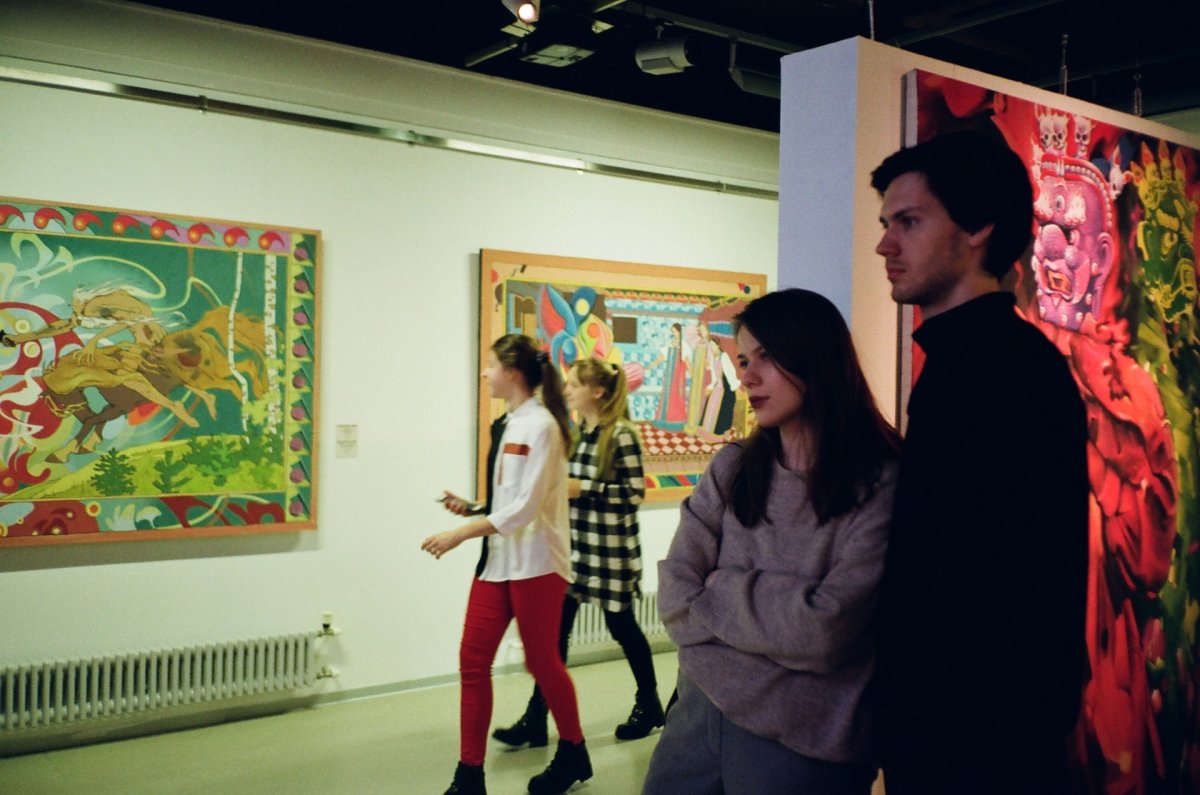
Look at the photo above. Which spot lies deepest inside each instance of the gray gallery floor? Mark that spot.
(404, 743)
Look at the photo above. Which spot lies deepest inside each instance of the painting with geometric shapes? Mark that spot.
(157, 375)
(670, 329)
(1111, 281)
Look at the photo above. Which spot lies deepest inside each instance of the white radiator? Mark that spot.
(590, 629)
(55, 693)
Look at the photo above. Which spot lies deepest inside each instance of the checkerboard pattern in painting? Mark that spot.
(656, 441)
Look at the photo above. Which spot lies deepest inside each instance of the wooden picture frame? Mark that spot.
(669, 327)
(158, 378)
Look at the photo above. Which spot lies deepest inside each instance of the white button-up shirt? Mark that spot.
(529, 503)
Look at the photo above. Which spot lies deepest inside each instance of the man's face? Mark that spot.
(928, 257)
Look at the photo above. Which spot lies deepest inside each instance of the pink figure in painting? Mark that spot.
(671, 414)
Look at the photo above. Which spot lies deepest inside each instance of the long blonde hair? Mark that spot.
(614, 408)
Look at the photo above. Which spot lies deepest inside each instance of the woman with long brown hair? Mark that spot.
(606, 487)
(770, 583)
(527, 569)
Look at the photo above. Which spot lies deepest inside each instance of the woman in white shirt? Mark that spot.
(527, 570)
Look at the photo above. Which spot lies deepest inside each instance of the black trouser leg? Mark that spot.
(625, 631)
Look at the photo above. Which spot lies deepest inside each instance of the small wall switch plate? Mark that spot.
(346, 442)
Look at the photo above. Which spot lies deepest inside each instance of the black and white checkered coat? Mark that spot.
(606, 556)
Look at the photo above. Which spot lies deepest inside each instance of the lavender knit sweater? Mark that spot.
(774, 623)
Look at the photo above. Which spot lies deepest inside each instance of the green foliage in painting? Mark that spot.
(170, 356)
(113, 474)
(213, 457)
(170, 469)
(260, 447)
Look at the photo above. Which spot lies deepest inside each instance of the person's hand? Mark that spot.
(574, 488)
(456, 504)
(439, 544)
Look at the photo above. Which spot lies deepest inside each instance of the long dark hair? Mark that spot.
(805, 335)
(520, 352)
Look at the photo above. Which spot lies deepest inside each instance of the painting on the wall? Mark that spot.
(157, 375)
(1112, 282)
(669, 328)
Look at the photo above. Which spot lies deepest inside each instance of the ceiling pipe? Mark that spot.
(491, 51)
(711, 28)
(974, 21)
(1115, 68)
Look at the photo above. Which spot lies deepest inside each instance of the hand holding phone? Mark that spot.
(459, 506)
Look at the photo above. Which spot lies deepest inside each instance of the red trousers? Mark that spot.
(537, 605)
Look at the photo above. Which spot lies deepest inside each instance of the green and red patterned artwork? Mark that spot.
(157, 375)
(1111, 281)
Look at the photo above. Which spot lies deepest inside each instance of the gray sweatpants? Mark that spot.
(700, 752)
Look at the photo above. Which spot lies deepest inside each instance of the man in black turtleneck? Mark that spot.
(982, 655)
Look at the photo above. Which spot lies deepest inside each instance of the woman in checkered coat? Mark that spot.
(606, 487)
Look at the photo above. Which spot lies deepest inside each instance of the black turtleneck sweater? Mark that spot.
(982, 610)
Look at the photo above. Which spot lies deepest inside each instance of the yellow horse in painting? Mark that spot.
(128, 374)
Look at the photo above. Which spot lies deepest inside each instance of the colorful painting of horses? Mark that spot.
(157, 375)
(669, 328)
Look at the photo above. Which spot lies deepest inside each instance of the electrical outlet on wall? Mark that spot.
(347, 441)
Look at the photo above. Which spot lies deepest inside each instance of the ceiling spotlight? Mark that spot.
(664, 56)
(524, 10)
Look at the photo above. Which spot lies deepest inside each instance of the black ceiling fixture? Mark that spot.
(733, 46)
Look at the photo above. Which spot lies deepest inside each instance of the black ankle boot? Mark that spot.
(570, 764)
(468, 780)
(647, 714)
(530, 728)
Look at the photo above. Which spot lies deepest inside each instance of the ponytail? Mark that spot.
(552, 399)
(520, 352)
(614, 410)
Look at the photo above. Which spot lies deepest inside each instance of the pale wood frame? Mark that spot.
(599, 273)
(296, 340)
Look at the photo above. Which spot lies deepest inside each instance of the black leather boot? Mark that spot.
(468, 780)
(646, 716)
(570, 764)
(530, 728)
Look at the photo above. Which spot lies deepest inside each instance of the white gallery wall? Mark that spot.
(402, 226)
